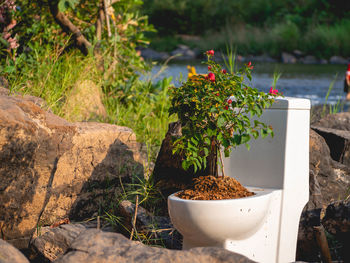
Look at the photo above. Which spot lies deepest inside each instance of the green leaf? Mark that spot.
(221, 121)
(245, 138)
(63, 5)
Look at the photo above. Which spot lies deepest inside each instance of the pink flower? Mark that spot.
(217, 94)
(211, 77)
(210, 52)
(273, 91)
(229, 101)
(224, 71)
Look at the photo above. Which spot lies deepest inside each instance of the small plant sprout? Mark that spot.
(218, 111)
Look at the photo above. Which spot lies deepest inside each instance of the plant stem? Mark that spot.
(222, 163)
(135, 217)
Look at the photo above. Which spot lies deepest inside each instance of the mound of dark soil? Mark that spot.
(214, 188)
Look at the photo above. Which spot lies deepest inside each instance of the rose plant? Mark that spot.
(218, 111)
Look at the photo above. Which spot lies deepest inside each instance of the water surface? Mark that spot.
(297, 80)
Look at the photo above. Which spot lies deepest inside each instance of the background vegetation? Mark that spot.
(316, 27)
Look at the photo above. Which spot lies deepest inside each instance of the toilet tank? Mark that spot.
(280, 161)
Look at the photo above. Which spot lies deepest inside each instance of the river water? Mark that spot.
(297, 80)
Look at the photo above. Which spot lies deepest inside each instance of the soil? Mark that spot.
(214, 188)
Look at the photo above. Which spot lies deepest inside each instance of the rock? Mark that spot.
(84, 102)
(339, 121)
(309, 60)
(288, 58)
(328, 181)
(146, 222)
(298, 54)
(337, 219)
(98, 246)
(52, 243)
(168, 173)
(184, 53)
(337, 222)
(148, 53)
(262, 58)
(338, 60)
(333, 177)
(10, 254)
(338, 142)
(52, 169)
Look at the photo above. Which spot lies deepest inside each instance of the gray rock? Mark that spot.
(297, 53)
(148, 53)
(183, 53)
(338, 60)
(309, 60)
(53, 169)
(96, 246)
(10, 254)
(262, 58)
(288, 58)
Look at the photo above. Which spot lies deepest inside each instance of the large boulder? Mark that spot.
(337, 222)
(328, 181)
(9, 254)
(97, 246)
(51, 169)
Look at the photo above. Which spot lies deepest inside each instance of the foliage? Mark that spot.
(215, 112)
(256, 27)
(143, 107)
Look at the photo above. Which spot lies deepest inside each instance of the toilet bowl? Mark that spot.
(263, 227)
(219, 222)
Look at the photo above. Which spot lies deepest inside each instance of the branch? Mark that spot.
(67, 26)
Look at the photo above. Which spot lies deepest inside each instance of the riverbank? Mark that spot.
(185, 53)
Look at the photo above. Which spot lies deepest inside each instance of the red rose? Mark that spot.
(211, 77)
(226, 107)
(217, 94)
(229, 101)
(249, 65)
(273, 91)
(224, 71)
(209, 67)
(210, 52)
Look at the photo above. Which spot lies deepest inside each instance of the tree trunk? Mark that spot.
(67, 26)
(213, 159)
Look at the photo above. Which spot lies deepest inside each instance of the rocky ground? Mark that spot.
(54, 176)
(183, 52)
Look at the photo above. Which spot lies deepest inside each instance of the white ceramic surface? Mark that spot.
(211, 220)
(280, 163)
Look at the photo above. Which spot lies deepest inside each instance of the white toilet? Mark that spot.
(263, 227)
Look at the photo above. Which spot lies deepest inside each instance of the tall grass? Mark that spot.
(50, 74)
(145, 110)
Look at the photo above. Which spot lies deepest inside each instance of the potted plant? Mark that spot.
(217, 113)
